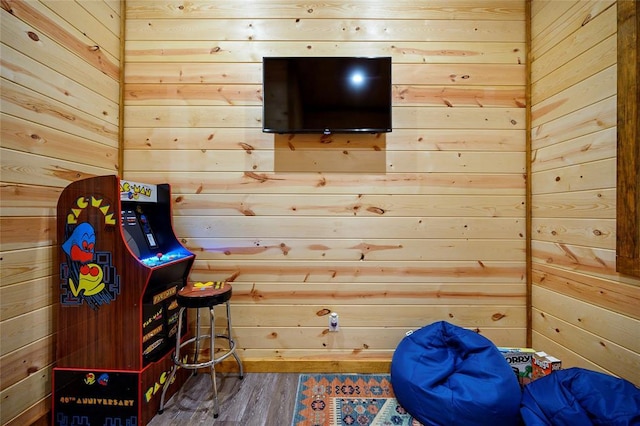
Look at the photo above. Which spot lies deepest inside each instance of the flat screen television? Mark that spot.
(326, 94)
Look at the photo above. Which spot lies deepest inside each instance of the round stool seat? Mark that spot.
(204, 295)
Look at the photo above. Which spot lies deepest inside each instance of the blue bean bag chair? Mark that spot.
(576, 396)
(443, 374)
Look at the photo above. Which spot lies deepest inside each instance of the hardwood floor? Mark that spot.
(260, 399)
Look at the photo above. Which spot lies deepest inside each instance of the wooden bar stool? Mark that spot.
(203, 295)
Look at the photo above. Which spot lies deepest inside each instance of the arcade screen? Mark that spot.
(144, 238)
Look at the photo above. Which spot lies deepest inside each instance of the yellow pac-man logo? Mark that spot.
(83, 203)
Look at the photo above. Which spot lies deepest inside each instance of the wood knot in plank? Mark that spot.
(255, 294)
(255, 176)
(6, 6)
(248, 148)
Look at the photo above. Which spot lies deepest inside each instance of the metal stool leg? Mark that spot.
(212, 351)
(232, 342)
(197, 342)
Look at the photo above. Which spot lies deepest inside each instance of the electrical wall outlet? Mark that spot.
(333, 322)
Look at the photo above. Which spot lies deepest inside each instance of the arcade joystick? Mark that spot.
(159, 256)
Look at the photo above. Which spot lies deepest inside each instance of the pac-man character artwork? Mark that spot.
(87, 274)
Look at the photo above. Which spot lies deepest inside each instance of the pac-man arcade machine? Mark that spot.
(120, 266)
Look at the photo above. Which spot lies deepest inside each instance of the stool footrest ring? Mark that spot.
(213, 361)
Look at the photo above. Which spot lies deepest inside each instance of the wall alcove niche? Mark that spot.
(628, 150)
(334, 153)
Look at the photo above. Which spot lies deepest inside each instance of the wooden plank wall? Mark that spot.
(583, 311)
(60, 78)
(392, 232)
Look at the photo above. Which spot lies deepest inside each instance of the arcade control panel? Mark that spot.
(164, 258)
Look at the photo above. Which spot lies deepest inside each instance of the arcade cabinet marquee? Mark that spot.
(120, 266)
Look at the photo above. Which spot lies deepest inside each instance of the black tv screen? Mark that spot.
(326, 94)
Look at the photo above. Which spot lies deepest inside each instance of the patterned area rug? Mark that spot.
(348, 399)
